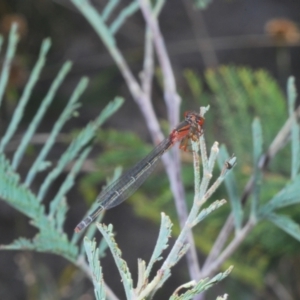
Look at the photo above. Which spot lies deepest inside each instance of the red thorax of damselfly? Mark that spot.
(190, 129)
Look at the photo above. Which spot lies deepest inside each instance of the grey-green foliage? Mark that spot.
(146, 287)
(232, 190)
(245, 100)
(290, 194)
(238, 95)
(93, 259)
(98, 21)
(50, 236)
(201, 286)
(241, 94)
(238, 90)
(108, 235)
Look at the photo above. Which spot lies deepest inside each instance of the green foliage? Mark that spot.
(145, 286)
(93, 259)
(269, 102)
(269, 105)
(69, 110)
(163, 238)
(286, 224)
(238, 94)
(295, 132)
(257, 138)
(10, 52)
(242, 93)
(50, 236)
(98, 21)
(232, 190)
(201, 286)
(206, 211)
(107, 232)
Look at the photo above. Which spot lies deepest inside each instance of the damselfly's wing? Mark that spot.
(122, 188)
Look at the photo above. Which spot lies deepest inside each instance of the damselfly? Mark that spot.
(122, 188)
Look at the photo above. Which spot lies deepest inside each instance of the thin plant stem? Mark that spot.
(171, 96)
(229, 250)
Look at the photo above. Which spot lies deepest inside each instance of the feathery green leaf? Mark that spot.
(289, 195)
(93, 259)
(257, 152)
(107, 232)
(10, 53)
(232, 189)
(201, 286)
(161, 243)
(286, 224)
(131, 8)
(295, 131)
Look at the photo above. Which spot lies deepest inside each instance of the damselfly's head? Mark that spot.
(194, 119)
(188, 130)
(193, 130)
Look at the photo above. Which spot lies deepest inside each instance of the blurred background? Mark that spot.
(226, 56)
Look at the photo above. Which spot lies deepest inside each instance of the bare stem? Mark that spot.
(228, 251)
(148, 66)
(172, 99)
(220, 242)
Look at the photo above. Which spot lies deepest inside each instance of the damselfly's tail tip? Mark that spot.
(79, 227)
(88, 220)
(84, 223)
